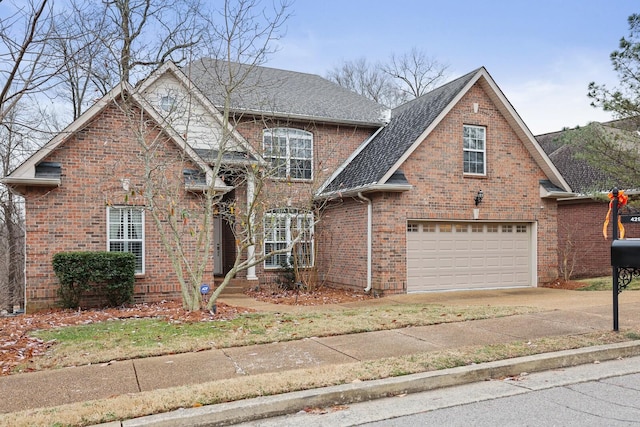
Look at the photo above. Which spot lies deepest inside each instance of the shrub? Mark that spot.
(109, 274)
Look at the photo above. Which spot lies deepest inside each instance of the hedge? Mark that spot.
(109, 274)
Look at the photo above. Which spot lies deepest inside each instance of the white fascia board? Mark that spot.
(170, 67)
(28, 167)
(373, 188)
(346, 163)
(525, 134)
(431, 127)
(32, 182)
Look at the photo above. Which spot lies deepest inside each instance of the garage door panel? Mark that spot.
(468, 256)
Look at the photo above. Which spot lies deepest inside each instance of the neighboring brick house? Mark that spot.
(449, 191)
(582, 249)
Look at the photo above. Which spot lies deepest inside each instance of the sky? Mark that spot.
(542, 54)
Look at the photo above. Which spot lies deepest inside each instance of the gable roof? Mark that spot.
(25, 173)
(379, 158)
(290, 94)
(579, 173)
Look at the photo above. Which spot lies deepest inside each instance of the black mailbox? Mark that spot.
(625, 253)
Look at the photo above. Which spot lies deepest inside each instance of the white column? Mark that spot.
(251, 250)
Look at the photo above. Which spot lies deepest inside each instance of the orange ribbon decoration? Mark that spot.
(622, 200)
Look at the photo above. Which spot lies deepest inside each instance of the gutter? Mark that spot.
(44, 182)
(384, 188)
(369, 240)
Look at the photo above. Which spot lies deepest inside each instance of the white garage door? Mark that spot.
(450, 255)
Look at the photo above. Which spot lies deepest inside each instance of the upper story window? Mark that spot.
(475, 143)
(167, 103)
(125, 232)
(290, 152)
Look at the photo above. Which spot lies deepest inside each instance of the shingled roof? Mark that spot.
(579, 174)
(283, 93)
(376, 157)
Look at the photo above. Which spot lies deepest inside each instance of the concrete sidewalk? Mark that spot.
(564, 313)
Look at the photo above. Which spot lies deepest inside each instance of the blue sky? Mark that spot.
(542, 53)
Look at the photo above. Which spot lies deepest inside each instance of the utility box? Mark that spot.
(625, 253)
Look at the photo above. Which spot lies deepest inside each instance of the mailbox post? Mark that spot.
(625, 257)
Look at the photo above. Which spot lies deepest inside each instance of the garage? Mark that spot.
(468, 255)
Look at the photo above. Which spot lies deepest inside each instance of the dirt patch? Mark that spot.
(318, 297)
(565, 284)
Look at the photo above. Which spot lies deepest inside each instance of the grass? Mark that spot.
(134, 338)
(147, 403)
(606, 284)
(126, 339)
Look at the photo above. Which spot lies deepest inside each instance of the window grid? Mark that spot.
(290, 152)
(412, 228)
(492, 228)
(477, 228)
(280, 230)
(462, 228)
(444, 228)
(474, 151)
(507, 228)
(125, 233)
(521, 228)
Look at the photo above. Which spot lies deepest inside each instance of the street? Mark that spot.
(599, 394)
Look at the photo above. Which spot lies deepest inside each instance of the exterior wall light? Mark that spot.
(478, 198)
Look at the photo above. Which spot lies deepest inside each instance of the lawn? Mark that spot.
(606, 284)
(132, 338)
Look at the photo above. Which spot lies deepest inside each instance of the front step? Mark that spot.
(235, 286)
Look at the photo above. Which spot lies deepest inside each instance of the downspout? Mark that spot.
(369, 239)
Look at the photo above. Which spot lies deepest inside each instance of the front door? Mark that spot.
(217, 245)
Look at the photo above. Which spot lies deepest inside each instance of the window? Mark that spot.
(507, 228)
(281, 228)
(477, 228)
(290, 152)
(445, 228)
(474, 150)
(521, 228)
(167, 103)
(412, 228)
(462, 228)
(125, 233)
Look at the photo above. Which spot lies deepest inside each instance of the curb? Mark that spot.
(270, 406)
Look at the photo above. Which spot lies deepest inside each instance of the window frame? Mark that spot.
(291, 154)
(466, 148)
(282, 236)
(126, 225)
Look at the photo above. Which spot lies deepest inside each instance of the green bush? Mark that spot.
(109, 274)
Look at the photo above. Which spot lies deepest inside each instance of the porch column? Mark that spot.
(251, 250)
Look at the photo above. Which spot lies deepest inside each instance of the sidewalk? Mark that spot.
(564, 313)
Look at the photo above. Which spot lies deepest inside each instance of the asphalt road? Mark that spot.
(599, 394)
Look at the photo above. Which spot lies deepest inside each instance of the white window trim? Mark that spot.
(289, 216)
(470, 150)
(288, 157)
(143, 239)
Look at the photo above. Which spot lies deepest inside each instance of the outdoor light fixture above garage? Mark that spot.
(478, 197)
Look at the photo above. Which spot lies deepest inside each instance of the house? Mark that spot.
(449, 191)
(582, 249)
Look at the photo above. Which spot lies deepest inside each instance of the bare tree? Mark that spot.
(146, 33)
(367, 79)
(243, 31)
(27, 67)
(415, 72)
(402, 78)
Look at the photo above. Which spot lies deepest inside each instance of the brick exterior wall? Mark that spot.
(580, 239)
(441, 191)
(332, 145)
(72, 217)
